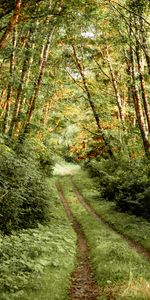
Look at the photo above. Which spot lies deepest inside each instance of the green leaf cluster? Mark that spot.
(126, 182)
(25, 196)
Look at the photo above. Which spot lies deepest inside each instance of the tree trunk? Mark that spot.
(137, 102)
(19, 96)
(10, 85)
(141, 75)
(145, 44)
(143, 87)
(97, 119)
(46, 110)
(115, 86)
(11, 23)
(3, 101)
(32, 100)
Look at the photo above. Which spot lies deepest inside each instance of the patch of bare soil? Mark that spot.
(133, 244)
(83, 286)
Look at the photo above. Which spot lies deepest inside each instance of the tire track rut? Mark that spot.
(83, 285)
(133, 244)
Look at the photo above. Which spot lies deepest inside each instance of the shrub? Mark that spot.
(24, 192)
(124, 181)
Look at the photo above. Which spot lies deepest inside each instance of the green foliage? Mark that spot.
(33, 262)
(114, 262)
(124, 181)
(139, 5)
(41, 154)
(25, 195)
(134, 227)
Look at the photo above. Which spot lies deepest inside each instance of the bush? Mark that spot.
(124, 181)
(103, 171)
(24, 192)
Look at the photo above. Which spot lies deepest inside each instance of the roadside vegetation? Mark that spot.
(124, 181)
(136, 228)
(35, 233)
(33, 262)
(120, 271)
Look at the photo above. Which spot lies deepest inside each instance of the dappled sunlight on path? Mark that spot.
(65, 168)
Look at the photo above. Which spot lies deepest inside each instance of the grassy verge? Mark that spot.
(136, 228)
(122, 272)
(37, 263)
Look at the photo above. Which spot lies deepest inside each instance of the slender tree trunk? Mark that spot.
(128, 70)
(141, 75)
(96, 116)
(3, 102)
(115, 86)
(143, 87)
(32, 100)
(145, 43)
(19, 96)
(10, 85)
(137, 101)
(26, 80)
(46, 110)
(11, 23)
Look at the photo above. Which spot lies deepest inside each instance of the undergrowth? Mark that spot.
(114, 262)
(37, 263)
(35, 235)
(124, 181)
(134, 227)
(24, 193)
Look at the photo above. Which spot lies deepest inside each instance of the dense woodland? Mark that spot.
(74, 81)
(75, 84)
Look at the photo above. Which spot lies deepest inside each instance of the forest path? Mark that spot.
(71, 169)
(64, 168)
(133, 244)
(84, 286)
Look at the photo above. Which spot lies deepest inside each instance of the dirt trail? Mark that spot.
(133, 244)
(83, 285)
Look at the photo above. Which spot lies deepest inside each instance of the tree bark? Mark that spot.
(145, 44)
(10, 85)
(11, 23)
(3, 101)
(46, 110)
(32, 100)
(143, 87)
(24, 72)
(96, 116)
(115, 86)
(137, 100)
(141, 69)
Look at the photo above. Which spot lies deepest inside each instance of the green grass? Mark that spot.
(37, 263)
(136, 228)
(117, 266)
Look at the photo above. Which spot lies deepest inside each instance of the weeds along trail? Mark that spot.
(118, 266)
(83, 285)
(133, 244)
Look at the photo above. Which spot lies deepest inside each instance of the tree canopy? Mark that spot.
(79, 65)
